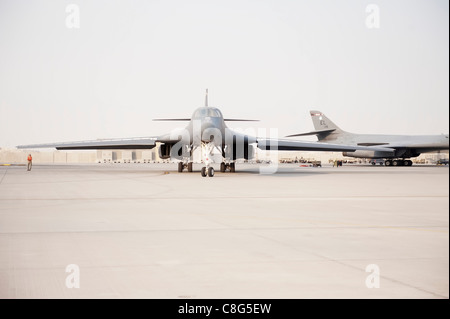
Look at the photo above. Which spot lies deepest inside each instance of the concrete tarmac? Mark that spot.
(146, 231)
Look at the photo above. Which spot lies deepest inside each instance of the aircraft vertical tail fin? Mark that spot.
(322, 123)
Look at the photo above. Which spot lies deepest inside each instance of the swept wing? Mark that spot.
(110, 144)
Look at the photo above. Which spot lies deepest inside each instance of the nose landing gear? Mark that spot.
(208, 171)
(207, 159)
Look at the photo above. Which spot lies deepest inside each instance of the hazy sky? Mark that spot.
(132, 61)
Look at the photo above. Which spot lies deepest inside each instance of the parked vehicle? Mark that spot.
(379, 161)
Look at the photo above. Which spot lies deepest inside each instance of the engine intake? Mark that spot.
(167, 150)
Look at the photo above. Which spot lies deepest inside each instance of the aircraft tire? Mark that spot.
(396, 163)
(232, 167)
(204, 171)
(211, 172)
(190, 167)
(388, 163)
(223, 167)
(180, 167)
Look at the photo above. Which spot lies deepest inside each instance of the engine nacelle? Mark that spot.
(250, 152)
(240, 148)
(368, 154)
(167, 151)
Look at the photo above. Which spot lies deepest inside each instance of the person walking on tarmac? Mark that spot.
(30, 162)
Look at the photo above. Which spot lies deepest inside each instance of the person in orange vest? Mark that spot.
(30, 160)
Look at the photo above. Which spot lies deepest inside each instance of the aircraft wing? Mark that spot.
(290, 145)
(109, 144)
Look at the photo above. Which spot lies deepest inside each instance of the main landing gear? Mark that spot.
(182, 166)
(231, 167)
(398, 162)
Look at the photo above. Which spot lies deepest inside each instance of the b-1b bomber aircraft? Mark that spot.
(206, 130)
(398, 148)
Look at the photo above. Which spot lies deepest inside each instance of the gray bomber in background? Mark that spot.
(206, 130)
(400, 147)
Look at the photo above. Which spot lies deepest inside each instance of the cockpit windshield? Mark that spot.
(207, 112)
